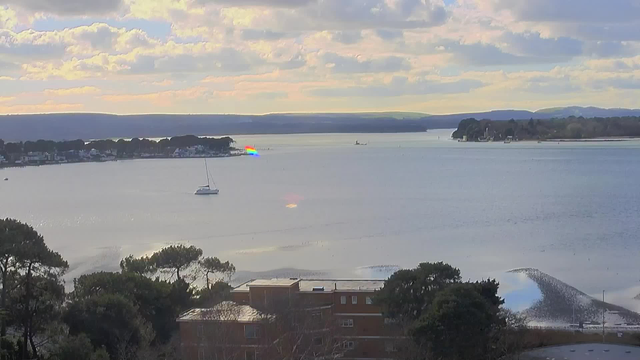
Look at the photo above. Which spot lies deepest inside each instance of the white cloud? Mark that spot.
(401, 86)
(354, 64)
(84, 90)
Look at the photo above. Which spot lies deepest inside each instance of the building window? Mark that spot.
(200, 330)
(200, 354)
(343, 300)
(250, 355)
(348, 345)
(390, 346)
(251, 331)
(318, 341)
(369, 300)
(347, 323)
(354, 299)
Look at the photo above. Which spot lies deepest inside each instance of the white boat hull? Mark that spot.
(207, 192)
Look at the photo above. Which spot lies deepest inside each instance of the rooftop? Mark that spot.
(274, 282)
(225, 311)
(308, 285)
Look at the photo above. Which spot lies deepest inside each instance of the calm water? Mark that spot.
(571, 210)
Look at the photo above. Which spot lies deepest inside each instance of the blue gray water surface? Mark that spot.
(571, 210)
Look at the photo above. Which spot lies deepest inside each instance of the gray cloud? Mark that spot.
(606, 49)
(295, 62)
(255, 35)
(343, 64)
(378, 13)
(270, 3)
(599, 32)
(400, 86)
(101, 38)
(532, 44)
(481, 54)
(68, 7)
(13, 48)
(342, 15)
(550, 85)
(388, 35)
(226, 60)
(624, 83)
(595, 11)
(223, 61)
(347, 37)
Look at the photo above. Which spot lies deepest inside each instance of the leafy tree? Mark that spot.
(464, 126)
(213, 265)
(73, 347)
(408, 293)
(111, 321)
(9, 350)
(461, 324)
(12, 234)
(215, 294)
(31, 272)
(42, 309)
(176, 258)
(36, 262)
(155, 300)
(13, 148)
(141, 266)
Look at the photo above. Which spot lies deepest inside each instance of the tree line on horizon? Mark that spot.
(131, 314)
(123, 147)
(564, 128)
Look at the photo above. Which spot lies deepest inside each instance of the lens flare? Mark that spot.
(251, 151)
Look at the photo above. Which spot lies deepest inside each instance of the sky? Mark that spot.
(264, 56)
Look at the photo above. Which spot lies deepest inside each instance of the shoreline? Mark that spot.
(594, 140)
(12, 166)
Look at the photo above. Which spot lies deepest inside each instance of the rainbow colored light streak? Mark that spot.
(251, 151)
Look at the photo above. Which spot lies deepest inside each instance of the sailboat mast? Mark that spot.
(206, 168)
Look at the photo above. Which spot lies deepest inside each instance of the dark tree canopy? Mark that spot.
(462, 323)
(141, 266)
(176, 258)
(122, 146)
(108, 320)
(158, 302)
(408, 293)
(213, 265)
(538, 129)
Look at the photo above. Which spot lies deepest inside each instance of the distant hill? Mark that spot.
(587, 112)
(560, 300)
(103, 126)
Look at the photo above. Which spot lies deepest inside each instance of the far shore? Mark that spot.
(13, 165)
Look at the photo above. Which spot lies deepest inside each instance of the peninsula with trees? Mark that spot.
(569, 128)
(44, 152)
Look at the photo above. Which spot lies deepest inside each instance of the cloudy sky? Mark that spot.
(261, 56)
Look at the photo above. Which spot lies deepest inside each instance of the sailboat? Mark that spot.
(207, 189)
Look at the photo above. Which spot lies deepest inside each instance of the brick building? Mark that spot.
(292, 318)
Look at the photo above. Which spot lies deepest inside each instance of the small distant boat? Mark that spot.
(6, 179)
(358, 143)
(207, 189)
